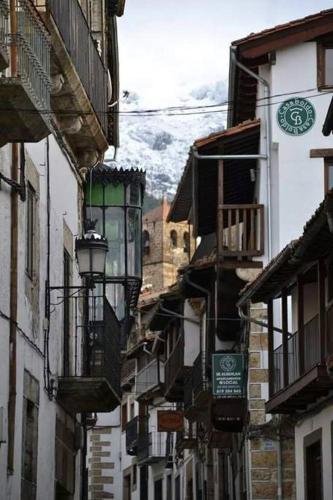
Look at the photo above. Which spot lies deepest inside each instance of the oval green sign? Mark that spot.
(296, 116)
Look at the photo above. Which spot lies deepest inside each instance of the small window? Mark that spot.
(134, 477)
(123, 416)
(30, 436)
(328, 174)
(30, 230)
(146, 242)
(186, 242)
(173, 238)
(325, 66)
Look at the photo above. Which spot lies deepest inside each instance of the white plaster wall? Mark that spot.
(64, 196)
(297, 180)
(191, 335)
(320, 421)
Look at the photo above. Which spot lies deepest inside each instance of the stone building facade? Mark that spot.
(166, 248)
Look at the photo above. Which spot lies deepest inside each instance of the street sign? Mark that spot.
(170, 421)
(228, 375)
(296, 116)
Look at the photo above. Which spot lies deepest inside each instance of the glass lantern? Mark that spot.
(113, 199)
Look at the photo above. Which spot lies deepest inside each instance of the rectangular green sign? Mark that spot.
(228, 375)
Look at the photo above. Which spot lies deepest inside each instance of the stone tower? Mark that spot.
(166, 248)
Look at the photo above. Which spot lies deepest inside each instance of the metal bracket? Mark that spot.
(16, 186)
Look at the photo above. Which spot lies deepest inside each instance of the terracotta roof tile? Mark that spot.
(159, 213)
(241, 127)
(284, 26)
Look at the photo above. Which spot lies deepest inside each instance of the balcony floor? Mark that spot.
(301, 393)
(20, 120)
(87, 394)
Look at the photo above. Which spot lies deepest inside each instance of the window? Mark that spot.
(313, 466)
(325, 65)
(134, 477)
(328, 176)
(173, 239)
(30, 230)
(146, 243)
(186, 242)
(67, 282)
(29, 437)
(123, 416)
(158, 489)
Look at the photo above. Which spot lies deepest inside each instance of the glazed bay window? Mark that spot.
(325, 66)
(30, 230)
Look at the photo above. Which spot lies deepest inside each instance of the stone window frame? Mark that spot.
(173, 238)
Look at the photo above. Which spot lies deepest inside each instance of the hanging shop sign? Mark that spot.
(228, 375)
(170, 421)
(296, 116)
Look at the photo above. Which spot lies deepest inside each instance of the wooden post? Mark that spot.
(285, 337)
(321, 309)
(300, 323)
(270, 348)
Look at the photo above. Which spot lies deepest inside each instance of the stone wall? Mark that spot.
(263, 436)
(101, 468)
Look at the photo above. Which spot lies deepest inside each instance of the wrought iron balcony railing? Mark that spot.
(82, 49)
(128, 370)
(132, 432)
(152, 447)
(26, 91)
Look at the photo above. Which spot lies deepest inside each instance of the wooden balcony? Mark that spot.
(197, 397)
(152, 447)
(25, 89)
(150, 380)
(97, 387)
(175, 371)
(132, 433)
(128, 371)
(299, 377)
(80, 80)
(242, 229)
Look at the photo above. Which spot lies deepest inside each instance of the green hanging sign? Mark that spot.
(228, 375)
(296, 116)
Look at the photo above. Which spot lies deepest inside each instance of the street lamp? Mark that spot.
(91, 252)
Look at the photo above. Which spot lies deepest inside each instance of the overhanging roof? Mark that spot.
(315, 242)
(242, 139)
(283, 35)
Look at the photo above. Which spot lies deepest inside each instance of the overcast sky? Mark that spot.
(167, 46)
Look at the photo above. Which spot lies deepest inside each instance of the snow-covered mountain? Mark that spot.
(160, 143)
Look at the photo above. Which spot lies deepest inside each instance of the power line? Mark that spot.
(171, 111)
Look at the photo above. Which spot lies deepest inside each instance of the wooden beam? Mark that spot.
(321, 153)
(285, 337)
(270, 348)
(300, 322)
(321, 308)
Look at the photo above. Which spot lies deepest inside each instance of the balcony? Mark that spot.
(4, 61)
(80, 80)
(152, 447)
(97, 387)
(197, 396)
(175, 371)
(25, 92)
(128, 370)
(132, 433)
(306, 378)
(150, 379)
(187, 439)
(242, 231)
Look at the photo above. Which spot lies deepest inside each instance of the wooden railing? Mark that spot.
(149, 377)
(128, 369)
(82, 49)
(311, 354)
(242, 230)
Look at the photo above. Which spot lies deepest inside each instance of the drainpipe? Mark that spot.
(267, 95)
(13, 270)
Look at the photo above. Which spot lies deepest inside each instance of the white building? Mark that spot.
(53, 126)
